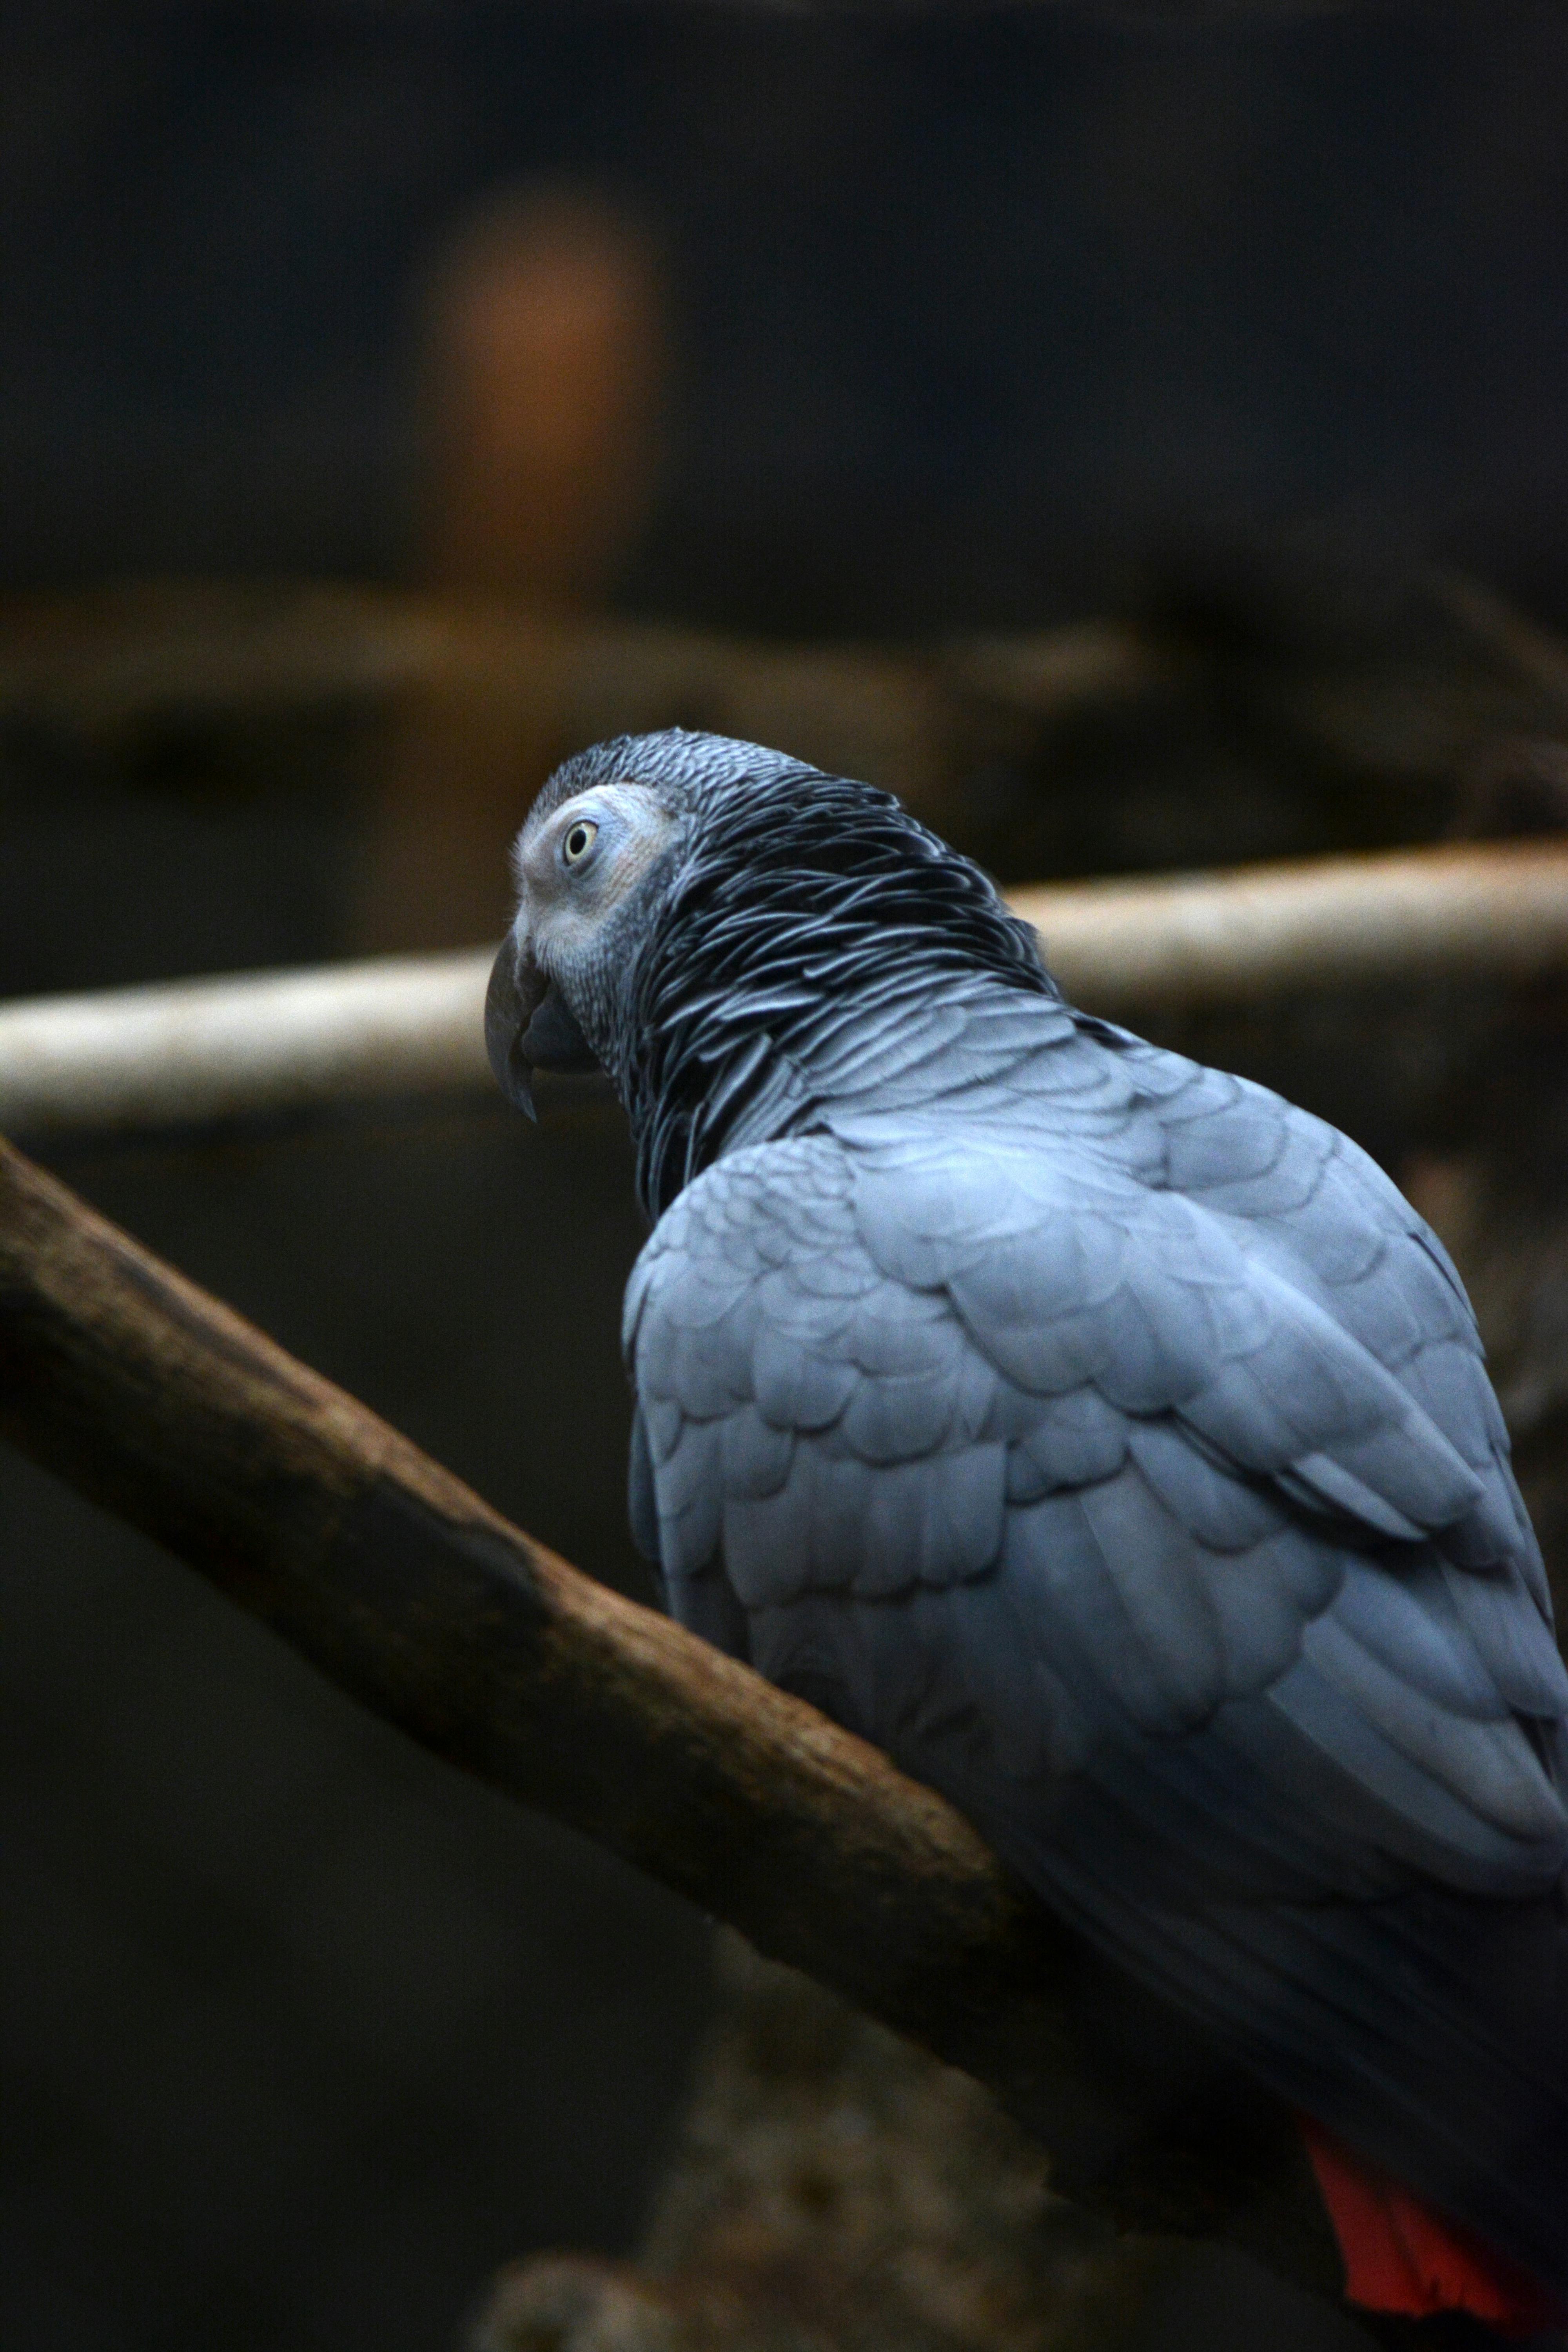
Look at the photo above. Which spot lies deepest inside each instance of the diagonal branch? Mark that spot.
(405, 1589)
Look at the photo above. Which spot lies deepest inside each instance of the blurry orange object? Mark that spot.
(543, 365)
(540, 364)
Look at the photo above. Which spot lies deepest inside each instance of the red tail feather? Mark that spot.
(1400, 2256)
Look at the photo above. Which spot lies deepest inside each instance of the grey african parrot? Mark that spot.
(1102, 1437)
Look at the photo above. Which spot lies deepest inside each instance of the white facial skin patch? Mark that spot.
(585, 859)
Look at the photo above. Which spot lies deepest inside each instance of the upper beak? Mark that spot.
(515, 993)
(527, 1024)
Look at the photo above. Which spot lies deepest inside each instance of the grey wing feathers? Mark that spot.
(1126, 1465)
(775, 1365)
(1108, 1409)
(642, 1500)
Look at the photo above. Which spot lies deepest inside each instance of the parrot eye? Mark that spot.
(580, 839)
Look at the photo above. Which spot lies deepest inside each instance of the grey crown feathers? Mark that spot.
(1102, 1436)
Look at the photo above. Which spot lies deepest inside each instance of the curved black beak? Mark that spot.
(528, 1026)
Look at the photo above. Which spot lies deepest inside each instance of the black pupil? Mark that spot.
(577, 841)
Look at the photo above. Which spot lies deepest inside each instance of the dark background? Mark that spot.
(979, 310)
(978, 317)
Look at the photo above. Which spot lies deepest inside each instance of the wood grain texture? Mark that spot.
(402, 1585)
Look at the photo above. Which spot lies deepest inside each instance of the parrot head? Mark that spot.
(594, 860)
(692, 910)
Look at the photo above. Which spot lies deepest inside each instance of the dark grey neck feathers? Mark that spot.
(810, 907)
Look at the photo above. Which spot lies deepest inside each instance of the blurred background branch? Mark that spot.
(193, 1052)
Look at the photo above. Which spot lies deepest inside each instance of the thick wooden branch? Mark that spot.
(194, 1051)
(411, 1594)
